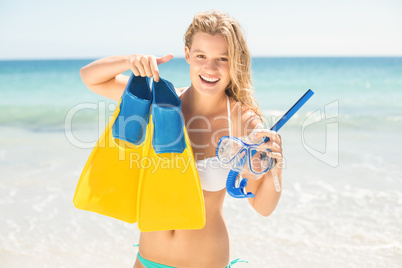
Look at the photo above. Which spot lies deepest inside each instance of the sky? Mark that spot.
(52, 29)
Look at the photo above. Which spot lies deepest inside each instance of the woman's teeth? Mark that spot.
(210, 80)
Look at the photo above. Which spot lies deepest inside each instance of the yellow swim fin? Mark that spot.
(109, 182)
(170, 194)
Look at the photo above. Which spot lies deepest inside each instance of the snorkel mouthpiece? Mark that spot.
(235, 175)
(237, 192)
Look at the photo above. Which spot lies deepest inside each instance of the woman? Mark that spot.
(220, 87)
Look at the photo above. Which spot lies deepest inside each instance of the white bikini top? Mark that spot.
(212, 173)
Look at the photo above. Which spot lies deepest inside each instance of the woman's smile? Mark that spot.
(209, 80)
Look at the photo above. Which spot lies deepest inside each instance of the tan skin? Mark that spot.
(208, 247)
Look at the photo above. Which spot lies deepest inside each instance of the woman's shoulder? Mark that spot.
(246, 120)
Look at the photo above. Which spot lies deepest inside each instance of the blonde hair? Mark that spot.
(240, 86)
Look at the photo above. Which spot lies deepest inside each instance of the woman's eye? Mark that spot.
(223, 59)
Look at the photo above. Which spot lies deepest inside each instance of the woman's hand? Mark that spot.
(274, 144)
(147, 65)
(104, 76)
(268, 190)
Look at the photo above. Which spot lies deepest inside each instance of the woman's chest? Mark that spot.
(204, 134)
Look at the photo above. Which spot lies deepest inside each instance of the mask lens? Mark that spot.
(228, 149)
(259, 160)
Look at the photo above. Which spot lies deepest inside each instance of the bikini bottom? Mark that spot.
(151, 264)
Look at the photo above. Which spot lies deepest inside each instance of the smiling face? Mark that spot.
(209, 66)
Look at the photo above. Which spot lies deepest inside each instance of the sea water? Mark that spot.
(341, 204)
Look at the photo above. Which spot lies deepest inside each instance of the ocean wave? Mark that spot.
(379, 120)
(92, 114)
(51, 117)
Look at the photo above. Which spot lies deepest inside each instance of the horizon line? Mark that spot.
(182, 57)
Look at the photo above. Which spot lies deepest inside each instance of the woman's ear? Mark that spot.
(187, 54)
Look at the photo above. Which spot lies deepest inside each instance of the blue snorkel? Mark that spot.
(241, 157)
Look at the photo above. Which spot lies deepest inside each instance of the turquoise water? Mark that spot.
(38, 94)
(341, 204)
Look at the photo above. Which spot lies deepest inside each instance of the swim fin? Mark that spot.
(109, 182)
(170, 194)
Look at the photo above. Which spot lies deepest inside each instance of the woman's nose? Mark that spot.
(211, 65)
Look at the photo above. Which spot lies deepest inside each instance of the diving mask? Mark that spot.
(243, 155)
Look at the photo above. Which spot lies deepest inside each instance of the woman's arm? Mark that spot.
(104, 76)
(266, 196)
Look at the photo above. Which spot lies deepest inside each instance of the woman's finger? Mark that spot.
(276, 155)
(146, 61)
(164, 59)
(154, 69)
(140, 67)
(272, 135)
(271, 145)
(135, 70)
(136, 65)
